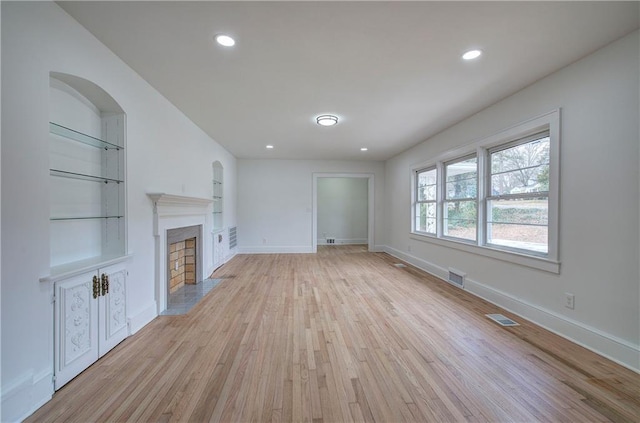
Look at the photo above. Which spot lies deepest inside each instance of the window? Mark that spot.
(425, 209)
(460, 203)
(497, 197)
(518, 197)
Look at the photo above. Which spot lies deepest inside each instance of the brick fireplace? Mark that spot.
(184, 262)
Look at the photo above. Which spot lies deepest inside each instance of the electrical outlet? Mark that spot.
(409, 248)
(569, 301)
(176, 266)
(264, 241)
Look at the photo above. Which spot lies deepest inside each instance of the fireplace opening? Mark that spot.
(184, 250)
(182, 261)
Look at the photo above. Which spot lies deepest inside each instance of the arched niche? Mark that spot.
(218, 191)
(87, 163)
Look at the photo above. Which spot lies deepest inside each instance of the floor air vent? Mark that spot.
(456, 277)
(400, 265)
(502, 320)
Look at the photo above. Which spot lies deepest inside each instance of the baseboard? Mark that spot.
(354, 241)
(25, 395)
(607, 345)
(231, 255)
(275, 250)
(604, 344)
(141, 319)
(433, 269)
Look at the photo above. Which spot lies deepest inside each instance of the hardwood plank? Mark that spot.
(343, 335)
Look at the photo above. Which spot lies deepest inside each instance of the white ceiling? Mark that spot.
(391, 71)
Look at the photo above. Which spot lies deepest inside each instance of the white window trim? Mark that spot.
(440, 218)
(550, 262)
(414, 187)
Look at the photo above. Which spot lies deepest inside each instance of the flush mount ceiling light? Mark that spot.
(327, 120)
(225, 40)
(269, 147)
(472, 54)
(364, 149)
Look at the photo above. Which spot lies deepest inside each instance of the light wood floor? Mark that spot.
(343, 336)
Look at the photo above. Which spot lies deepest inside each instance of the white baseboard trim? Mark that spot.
(275, 250)
(433, 269)
(355, 241)
(25, 395)
(231, 255)
(604, 344)
(609, 346)
(141, 319)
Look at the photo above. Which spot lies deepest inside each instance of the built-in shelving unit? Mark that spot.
(87, 180)
(87, 224)
(218, 172)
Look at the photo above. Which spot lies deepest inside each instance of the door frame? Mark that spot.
(370, 205)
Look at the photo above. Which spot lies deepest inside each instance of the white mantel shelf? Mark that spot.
(167, 205)
(178, 200)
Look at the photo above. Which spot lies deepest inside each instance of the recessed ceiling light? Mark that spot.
(269, 147)
(364, 149)
(471, 54)
(327, 120)
(225, 40)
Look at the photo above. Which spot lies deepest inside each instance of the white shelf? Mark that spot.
(68, 270)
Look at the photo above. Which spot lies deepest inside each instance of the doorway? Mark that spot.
(343, 209)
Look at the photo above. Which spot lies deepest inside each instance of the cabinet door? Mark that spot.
(218, 249)
(113, 316)
(76, 326)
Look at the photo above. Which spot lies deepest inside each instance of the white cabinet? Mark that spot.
(219, 250)
(90, 319)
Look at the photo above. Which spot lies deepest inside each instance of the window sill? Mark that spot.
(539, 263)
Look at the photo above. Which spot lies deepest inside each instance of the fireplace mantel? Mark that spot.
(168, 204)
(176, 211)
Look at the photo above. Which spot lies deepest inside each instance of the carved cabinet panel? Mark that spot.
(113, 312)
(76, 320)
(90, 319)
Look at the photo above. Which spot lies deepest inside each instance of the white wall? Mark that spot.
(342, 210)
(599, 213)
(166, 152)
(275, 202)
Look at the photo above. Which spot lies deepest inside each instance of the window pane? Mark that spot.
(520, 169)
(530, 154)
(462, 179)
(528, 211)
(532, 238)
(426, 217)
(535, 179)
(427, 185)
(460, 219)
(520, 223)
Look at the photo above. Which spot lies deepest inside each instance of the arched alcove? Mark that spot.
(87, 168)
(218, 191)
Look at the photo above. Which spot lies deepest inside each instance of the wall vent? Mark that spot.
(456, 277)
(502, 320)
(233, 240)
